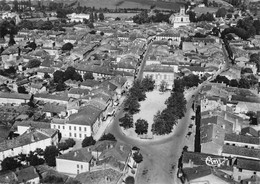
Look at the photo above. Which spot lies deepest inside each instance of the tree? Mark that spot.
(35, 160)
(22, 89)
(88, 141)
(138, 157)
(67, 47)
(88, 75)
(246, 70)
(132, 105)
(141, 126)
(95, 16)
(109, 137)
(117, 19)
(91, 17)
(61, 13)
(32, 45)
(101, 16)
(33, 63)
(60, 86)
(70, 142)
(192, 16)
(137, 90)
(52, 179)
(148, 83)
(50, 154)
(127, 121)
(26, 24)
(46, 76)
(63, 146)
(244, 83)
(233, 83)
(163, 86)
(130, 180)
(221, 79)
(10, 163)
(58, 76)
(141, 18)
(11, 40)
(221, 12)
(69, 72)
(163, 123)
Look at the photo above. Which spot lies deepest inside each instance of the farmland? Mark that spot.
(131, 4)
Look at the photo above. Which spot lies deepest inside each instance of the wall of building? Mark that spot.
(73, 131)
(71, 167)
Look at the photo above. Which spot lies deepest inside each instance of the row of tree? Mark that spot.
(137, 94)
(175, 109)
(141, 125)
(246, 81)
(37, 157)
(245, 28)
(143, 17)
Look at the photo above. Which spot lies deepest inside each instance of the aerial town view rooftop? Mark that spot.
(130, 92)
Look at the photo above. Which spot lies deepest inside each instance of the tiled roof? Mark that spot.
(97, 177)
(249, 130)
(26, 174)
(101, 146)
(27, 138)
(79, 91)
(242, 139)
(108, 85)
(158, 68)
(15, 96)
(54, 108)
(90, 83)
(81, 155)
(34, 124)
(86, 116)
(196, 172)
(241, 151)
(63, 97)
(8, 177)
(248, 164)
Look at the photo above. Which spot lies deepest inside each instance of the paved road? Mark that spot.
(140, 72)
(160, 161)
(160, 156)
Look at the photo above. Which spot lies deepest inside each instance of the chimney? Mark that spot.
(32, 138)
(225, 118)
(75, 153)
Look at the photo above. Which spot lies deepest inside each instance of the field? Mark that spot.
(113, 4)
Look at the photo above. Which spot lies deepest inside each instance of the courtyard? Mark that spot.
(154, 102)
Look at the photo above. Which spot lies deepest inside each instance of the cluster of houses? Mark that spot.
(112, 54)
(227, 138)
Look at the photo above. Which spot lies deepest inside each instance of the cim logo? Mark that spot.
(215, 162)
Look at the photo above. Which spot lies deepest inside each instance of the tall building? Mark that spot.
(180, 19)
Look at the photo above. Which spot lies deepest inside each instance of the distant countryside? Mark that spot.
(113, 4)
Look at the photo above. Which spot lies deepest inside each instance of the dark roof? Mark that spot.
(90, 83)
(26, 174)
(248, 164)
(34, 124)
(54, 108)
(97, 177)
(242, 138)
(27, 138)
(81, 155)
(241, 151)
(196, 172)
(86, 116)
(15, 96)
(199, 159)
(8, 177)
(249, 130)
